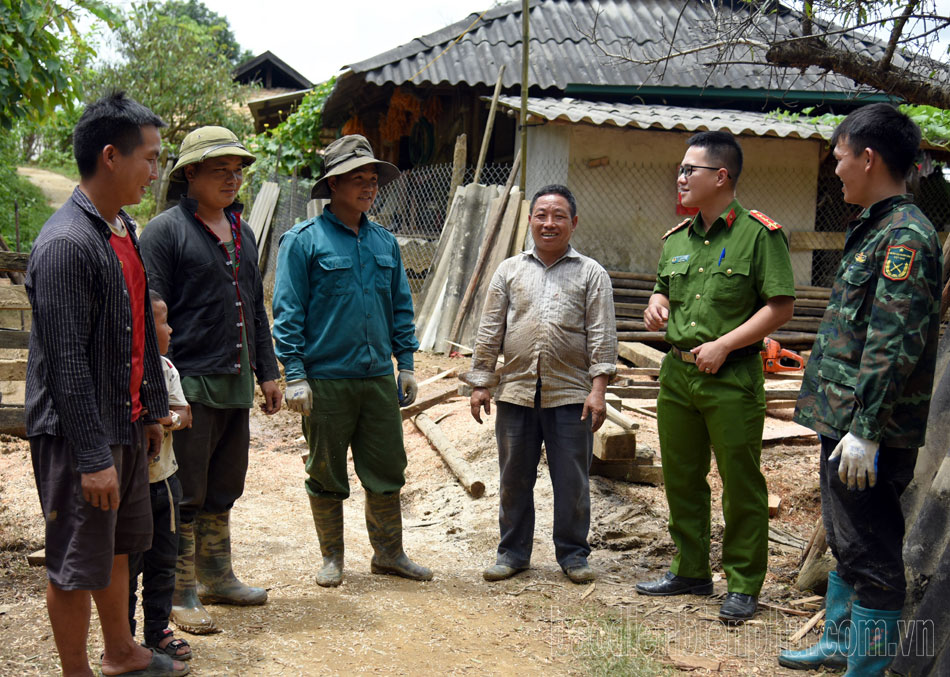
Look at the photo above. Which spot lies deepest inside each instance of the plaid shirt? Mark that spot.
(79, 364)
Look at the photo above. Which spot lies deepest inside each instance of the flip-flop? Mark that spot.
(160, 666)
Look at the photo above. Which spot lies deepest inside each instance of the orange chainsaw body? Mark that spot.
(777, 359)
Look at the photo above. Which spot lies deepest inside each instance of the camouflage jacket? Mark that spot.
(872, 366)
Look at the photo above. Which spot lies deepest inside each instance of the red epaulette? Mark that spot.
(766, 221)
(675, 228)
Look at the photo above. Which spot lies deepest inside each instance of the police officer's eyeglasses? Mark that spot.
(687, 170)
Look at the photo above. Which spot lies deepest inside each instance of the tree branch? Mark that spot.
(896, 32)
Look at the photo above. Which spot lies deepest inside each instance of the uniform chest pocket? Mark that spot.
(854, 290)
(336, 275)
(677, 271)
(730, 282)
(385, 267)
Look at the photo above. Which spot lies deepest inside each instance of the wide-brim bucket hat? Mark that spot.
(205, 143)
(346, 154)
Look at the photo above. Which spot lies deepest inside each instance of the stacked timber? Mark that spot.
(632, 292)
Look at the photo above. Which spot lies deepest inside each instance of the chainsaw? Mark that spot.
(777, 359)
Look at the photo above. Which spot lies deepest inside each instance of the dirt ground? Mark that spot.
(56, 187)
(535, 623)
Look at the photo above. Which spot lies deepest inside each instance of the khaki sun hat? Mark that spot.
(346, 154)
(208, 142)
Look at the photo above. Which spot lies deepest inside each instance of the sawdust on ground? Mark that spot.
(535, 623)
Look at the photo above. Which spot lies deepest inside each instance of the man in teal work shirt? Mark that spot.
(724, 282)
(342, 311)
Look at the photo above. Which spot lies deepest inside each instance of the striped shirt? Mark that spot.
(80, 360)
(554, 323)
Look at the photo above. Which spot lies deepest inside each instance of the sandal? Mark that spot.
(171, 649)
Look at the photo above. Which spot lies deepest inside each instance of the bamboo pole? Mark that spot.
(483, 151)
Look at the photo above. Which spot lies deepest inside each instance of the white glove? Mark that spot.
(299, 396)
(858, 458)
(406, 388)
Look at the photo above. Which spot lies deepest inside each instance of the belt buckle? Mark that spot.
(687, 356)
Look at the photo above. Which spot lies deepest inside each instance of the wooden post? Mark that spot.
(458, 168)
(483, 151)
(459, 466)
(485, 251)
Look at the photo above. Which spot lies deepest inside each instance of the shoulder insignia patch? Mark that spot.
(766, 221)
(675, 228)
(898, 262)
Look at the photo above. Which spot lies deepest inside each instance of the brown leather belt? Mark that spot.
(690, 358)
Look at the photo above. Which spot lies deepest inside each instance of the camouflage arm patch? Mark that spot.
(898, 262)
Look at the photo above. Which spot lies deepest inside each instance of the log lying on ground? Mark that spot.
(430, 401)
(459, 467)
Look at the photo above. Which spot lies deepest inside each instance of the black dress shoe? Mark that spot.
(671, 584)
(737, 608)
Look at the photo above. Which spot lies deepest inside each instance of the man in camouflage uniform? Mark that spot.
(867, 386)
(724, 282)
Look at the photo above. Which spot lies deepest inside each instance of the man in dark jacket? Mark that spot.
(94, 388)
(202, 258)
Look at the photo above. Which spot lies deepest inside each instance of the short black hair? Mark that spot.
(114, 119)
(555, 189)
(723, 150)
(154, 296)
(886, 131)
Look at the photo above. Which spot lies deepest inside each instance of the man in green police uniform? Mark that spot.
(724, 282)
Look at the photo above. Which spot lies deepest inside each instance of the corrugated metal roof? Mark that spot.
(562, 54)
(667, 117)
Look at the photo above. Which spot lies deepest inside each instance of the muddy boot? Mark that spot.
(384, 524)
(328, 519)
(217, 583)
(187, 612)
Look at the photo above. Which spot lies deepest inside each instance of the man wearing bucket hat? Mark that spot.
(342, 310)
(202, 258)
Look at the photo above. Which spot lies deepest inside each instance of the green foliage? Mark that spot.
(41, 55)
(174, 65)
(33, 210)
(934, 122)
(48, 143)
(219, 26)
(293, 144)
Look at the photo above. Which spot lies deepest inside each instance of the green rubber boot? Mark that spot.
(328, 520)
(217, 583)
(384, 524)
(187, 612)
(831, 651)
(876, 641)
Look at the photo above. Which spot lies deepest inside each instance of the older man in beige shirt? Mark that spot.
(551, 311)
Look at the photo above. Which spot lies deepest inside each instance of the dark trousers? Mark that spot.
(568, 442)
(865, 529)
(158, 563)
(212, 460)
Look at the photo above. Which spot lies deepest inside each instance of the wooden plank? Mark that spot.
(803, 241)
(37, 559)
(614, 443)
(12, 370)
(13, 420)
(640, 355)
(775, 503)
(639, 392)
(431, 401)
(614, 414)
(263, 210)
(808, 626)
(13, 261)
(14, 338)
(13, 297)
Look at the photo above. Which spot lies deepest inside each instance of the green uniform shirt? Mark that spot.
(717, 280)
(224, 391)
(872, 367)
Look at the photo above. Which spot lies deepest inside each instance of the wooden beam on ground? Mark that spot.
(617, 417)
(640, 355)
(13, 420)
(438, 377)
(812, 622)
(14, 339)
(37, 559)
(430, 401)
(12, 370)
(458, 465)
(13, 261)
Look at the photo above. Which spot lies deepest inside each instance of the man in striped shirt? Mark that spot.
(94, 388)
(550, 310)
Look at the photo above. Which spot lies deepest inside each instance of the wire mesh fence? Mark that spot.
(623, 210)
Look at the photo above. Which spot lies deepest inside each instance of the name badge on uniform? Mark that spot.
(680, 259)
